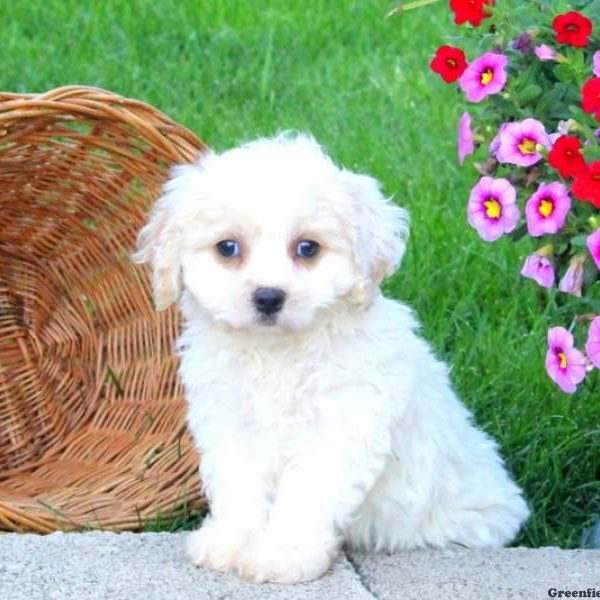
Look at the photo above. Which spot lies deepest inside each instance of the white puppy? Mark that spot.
(320, 415)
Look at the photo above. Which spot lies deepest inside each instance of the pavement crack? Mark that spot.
(359, 575)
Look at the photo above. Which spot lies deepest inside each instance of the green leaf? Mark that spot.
(590, 273)
(579, 241)
(593, 303)
(563, 72)
(530, 93)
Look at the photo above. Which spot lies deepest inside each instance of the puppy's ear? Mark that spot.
(381, 232)
(159, 242)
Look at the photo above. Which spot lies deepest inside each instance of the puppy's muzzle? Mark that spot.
(268, 301)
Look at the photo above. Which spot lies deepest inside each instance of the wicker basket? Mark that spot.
(92, 430)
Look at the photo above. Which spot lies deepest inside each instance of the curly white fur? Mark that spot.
(335, 422)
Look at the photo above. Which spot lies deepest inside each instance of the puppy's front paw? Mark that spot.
(272, 558)
(216, 545)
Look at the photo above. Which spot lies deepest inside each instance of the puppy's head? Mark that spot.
(270, 234)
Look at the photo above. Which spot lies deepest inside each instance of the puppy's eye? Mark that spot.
(228, 248)
(307, 249)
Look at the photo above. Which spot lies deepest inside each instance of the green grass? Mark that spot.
(235, 70)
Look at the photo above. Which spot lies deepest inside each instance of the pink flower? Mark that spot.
(539, 269)
(465, 138)
(592, 346)
(596, 60)
(544, 52)
(484, 76)
(593, 244)
(572, 280)
(519, 141)
(492, 208)
(546, 211)
(495, 143)
(564, 363)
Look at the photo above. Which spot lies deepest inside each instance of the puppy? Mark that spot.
(320, 415)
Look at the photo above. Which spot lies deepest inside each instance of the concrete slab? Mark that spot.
(149, 566)
(505, 573)
(152, 566)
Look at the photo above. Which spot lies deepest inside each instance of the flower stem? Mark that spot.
(410, 6)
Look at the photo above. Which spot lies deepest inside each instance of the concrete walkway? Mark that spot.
(151, 566)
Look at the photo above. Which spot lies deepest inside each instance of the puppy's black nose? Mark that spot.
(268, 301)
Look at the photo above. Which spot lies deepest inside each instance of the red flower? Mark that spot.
(449, 63)
(591, 96)
(566, 156)
(572, 28)
(470, 11)
(587, 184)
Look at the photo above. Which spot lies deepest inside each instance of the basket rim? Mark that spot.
(90, 102)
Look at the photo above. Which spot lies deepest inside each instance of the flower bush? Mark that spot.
(533, 97)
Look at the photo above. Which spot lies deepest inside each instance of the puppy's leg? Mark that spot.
(445, 484)
(238, 506)
(320, 490)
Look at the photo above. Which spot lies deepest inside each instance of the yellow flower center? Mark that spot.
(493, 209)
(487, 76)
(546, 207)
(527, 146)
(563, 360)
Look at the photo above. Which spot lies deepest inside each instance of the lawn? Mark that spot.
(232, 71)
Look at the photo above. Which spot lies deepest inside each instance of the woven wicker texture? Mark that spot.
(92, 430)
